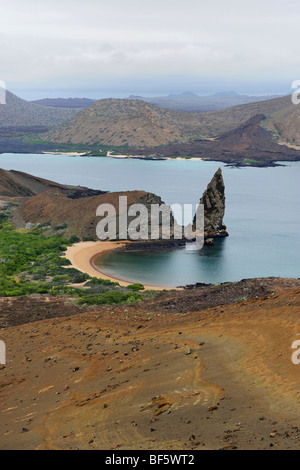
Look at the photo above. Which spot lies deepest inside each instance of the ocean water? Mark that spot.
(262, 215)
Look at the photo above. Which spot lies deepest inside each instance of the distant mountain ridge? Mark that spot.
(65, 102)
(191, 102)
(187, 95)
(187, 101)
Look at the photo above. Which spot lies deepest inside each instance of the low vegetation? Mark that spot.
(249, 161)
(109, 298)
(33, 263)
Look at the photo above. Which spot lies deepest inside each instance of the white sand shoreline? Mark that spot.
(120, 156)
(198, 159)
(75, 154)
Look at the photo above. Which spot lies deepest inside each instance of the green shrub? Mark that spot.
(136, 287)
(74, 239)
(95, 281)
(61, 226)
(32, 264)
(109, 298)
(61, 278)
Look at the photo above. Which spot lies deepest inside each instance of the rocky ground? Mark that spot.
(203, 368)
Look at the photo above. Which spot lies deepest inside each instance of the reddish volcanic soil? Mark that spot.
(138, 377)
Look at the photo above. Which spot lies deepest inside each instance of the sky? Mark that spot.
(102, 48)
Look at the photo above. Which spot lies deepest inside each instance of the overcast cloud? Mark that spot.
(111, 47)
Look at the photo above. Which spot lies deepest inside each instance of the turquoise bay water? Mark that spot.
(262, 215)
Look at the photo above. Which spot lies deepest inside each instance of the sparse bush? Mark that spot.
(61, 278)
(74, 239)
(32, 264)
(109, 298)
(61, 226)
(136, 287)
(95, 281)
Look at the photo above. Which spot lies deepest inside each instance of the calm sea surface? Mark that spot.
(262, 215)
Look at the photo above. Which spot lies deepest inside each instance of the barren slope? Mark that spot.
(285, 124)
(247, 142)
(12, 187)
(17, 184)
(79, 214)
(121, 122)
(138, 378)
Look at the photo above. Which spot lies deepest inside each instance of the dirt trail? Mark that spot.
(120, 378)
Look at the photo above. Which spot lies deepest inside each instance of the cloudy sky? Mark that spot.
(101, 48)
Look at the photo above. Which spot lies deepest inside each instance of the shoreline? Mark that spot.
(235, 164)
(71, 154)
(121, 156)
(82, 256)
(144, 157)
(226, 161)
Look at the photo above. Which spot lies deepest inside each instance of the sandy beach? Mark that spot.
(111, 155)
(74, 154)
(82, 254)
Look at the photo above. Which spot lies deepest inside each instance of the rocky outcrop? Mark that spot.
(213, 200)
(74, 210)
(77, 216)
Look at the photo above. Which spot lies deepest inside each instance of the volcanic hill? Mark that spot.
(125, 123)
(134, 123)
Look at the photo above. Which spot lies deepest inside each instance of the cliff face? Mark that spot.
(213, 200)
